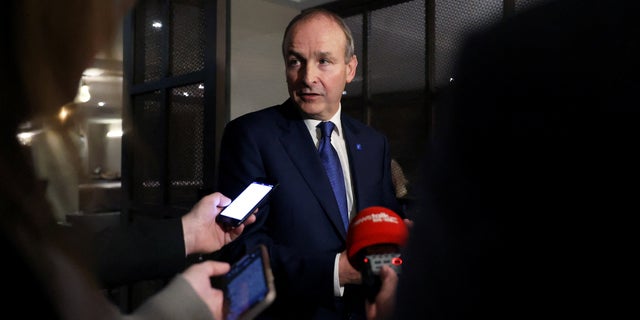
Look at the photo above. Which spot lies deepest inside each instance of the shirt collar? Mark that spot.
(313, 123)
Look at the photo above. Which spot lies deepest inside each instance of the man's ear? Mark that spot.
(351, 68)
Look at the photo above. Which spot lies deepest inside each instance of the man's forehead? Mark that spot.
(322, 37)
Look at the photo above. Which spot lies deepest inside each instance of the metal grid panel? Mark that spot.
(147, 149)
(186, 127)
(149, 18)
(397, 48)
(354, 89)
(454, 20)
(187, 36)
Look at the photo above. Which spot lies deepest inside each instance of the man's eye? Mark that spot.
(293, 62)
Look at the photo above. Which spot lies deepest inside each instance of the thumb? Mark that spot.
(214, 268)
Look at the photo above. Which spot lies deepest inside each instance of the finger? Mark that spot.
(370, 310)
(389, 279)
(238, 230)
(408, 223)
(388, 272)
(235, 232)
(220, 200)
(215, 268)
(251, 219)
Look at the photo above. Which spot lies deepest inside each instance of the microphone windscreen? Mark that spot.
(373, 226)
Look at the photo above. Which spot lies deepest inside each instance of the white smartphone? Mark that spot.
(247, 201)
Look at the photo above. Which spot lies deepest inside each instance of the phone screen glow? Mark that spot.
(246, 200)
(246, 289)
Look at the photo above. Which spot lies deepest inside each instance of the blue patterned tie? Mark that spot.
(331, 163)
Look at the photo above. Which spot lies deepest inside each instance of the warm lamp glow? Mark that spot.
(63, 114)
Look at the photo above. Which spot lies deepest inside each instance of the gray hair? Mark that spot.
(311, 13)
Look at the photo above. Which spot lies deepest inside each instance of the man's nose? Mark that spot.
(310, 74)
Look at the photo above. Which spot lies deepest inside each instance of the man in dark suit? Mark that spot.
(301, 224)
(533, 190)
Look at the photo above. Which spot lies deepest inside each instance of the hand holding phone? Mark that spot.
(248, 287)
(247, 201)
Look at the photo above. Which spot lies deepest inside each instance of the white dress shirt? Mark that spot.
(337, 140)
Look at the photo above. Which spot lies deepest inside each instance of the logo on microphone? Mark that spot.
(377, 217)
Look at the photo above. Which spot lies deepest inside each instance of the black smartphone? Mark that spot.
(248, 287)
(247, 201)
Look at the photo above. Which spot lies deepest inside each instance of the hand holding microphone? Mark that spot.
(375, 238)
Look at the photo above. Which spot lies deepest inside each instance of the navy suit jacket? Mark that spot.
(301, 223)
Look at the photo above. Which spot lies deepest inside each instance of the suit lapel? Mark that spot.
(357, 159)
(299, 146)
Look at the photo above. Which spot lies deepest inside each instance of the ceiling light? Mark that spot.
(93, 72)
(114, 134)
(83, 92)
(26, 137)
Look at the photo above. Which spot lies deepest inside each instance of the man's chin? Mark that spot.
(312, 109)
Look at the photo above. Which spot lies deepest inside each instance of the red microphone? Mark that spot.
(375, 237)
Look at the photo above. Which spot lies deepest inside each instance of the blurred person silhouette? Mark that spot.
(532, 186)
(401, 187)
(142, 249)
(400, 181)
(47, 45)
(303, 224)
(153, 248)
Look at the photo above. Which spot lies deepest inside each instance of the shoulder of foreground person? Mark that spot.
(177, 300)
(147, 249)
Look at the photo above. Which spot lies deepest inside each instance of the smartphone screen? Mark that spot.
(248, 286)
(242, 206)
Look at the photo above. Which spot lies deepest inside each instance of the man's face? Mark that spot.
(315, 66)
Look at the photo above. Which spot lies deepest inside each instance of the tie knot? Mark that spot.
(326, 127)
